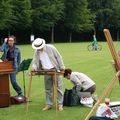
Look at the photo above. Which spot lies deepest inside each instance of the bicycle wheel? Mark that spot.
(90, 48)
(99, 47)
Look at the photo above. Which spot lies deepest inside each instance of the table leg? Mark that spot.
(29, 88)
(55, 90)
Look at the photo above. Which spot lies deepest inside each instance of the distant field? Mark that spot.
(97, 65)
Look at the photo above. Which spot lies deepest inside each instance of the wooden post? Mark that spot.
(24, 83)
(112, 49)
(29, 87)
(55, 90)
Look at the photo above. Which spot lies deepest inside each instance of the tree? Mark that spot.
(107, 13)
(22, 12)
(116, 17)
(46, 13)
(6, 15)
(77, 16)
(104, 12)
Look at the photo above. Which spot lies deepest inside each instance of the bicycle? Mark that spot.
(97, 47)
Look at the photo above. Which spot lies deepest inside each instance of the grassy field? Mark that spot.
(96, 64)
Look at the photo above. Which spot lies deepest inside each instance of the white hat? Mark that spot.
(38, 43)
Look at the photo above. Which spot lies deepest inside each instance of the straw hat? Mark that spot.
(38, 43)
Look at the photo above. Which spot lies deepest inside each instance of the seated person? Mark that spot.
(81, 81)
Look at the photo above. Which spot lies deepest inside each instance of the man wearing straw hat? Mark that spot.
(47, 57)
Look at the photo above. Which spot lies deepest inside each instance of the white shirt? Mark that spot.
(81, 79)
(45, 60)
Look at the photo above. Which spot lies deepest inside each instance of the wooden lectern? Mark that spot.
(5, 69)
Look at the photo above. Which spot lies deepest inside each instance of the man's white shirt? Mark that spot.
(45, 60)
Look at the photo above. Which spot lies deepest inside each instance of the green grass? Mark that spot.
(95, 64)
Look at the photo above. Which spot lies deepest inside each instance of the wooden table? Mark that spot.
(53, 73)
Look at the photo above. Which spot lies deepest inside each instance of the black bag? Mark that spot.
(71, 98)
(99, 118)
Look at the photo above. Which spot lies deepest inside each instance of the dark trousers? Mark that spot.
(91, 89)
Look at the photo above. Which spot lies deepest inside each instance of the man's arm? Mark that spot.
(2, 48)
(36, 62)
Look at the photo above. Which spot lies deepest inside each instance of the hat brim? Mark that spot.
(38, 47)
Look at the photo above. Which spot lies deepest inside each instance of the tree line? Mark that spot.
(53, 17)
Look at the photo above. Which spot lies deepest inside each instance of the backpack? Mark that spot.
(71, 98)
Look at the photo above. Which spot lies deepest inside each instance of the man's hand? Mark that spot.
(5, 40)
(32, 69)
(61, 71)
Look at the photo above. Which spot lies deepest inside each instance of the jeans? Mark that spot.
(14, 83)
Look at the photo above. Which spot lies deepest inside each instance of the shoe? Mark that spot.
(47, 107)
(60, 108)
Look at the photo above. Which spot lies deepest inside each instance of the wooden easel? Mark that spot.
(117, 65)
(53, 73)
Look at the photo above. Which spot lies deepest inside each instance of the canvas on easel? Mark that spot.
(112, 82)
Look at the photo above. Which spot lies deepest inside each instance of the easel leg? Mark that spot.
(103, 94)
(24, 83)
(29, 87)
(55, 90)
(29, 90)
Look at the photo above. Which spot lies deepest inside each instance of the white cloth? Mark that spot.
(104, 110)
(81, 79)
(45, 60)
(87, 101)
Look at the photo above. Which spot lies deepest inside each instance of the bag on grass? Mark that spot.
(71, 98)
(99, 118)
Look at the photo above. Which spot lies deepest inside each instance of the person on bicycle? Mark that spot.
(94, 43)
